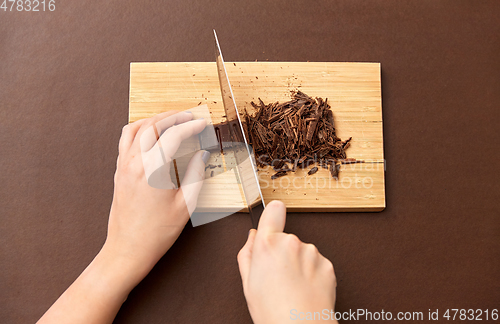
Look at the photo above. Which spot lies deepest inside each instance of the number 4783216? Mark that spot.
(28, 5)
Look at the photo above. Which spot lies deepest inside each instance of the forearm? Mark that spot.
(98, 293)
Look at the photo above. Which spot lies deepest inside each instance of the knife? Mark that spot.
(244, 157)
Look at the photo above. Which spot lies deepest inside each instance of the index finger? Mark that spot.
(273, 218)
(170, 141)
(154, 127)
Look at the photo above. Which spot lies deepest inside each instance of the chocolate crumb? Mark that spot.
(351, 161)
(210, 166)
(312, 171)
(334, 170)
(278, 174)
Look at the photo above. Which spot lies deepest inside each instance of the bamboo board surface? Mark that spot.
(353, 91)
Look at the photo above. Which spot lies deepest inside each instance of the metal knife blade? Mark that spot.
(244, 156)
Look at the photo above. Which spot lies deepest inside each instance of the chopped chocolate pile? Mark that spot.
(300, 132)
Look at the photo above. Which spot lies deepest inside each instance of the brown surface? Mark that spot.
(63, 99)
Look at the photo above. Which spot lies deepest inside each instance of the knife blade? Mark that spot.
(245, 159)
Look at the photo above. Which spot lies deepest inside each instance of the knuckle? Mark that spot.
(266, 240)
(331, 273)
(116, 177)
(148, 123)
(293, 241)
(265, 243)
(240, 255)
(130, 167)
(312, 248)
(159, 117)
(200, 174)
(329, 266)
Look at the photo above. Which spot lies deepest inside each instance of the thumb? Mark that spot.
(193, 179)
(273, 218)
(245, 256)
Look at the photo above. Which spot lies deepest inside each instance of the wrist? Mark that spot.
(113, 275)
(120, 267)
(103, 278)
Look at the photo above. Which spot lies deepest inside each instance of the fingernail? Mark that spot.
(250, 231)
(201, 118)
(188, 112)
(205, 156)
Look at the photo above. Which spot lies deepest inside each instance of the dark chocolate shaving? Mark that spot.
(351, 161)
(278, 174)
(313, 171)
(334, 170)
(212, 166)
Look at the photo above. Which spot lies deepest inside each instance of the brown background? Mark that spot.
(64, 79)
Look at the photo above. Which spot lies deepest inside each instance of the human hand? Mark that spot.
(145, 221)
(280, 273)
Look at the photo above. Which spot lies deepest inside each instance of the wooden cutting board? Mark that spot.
(353, 91)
